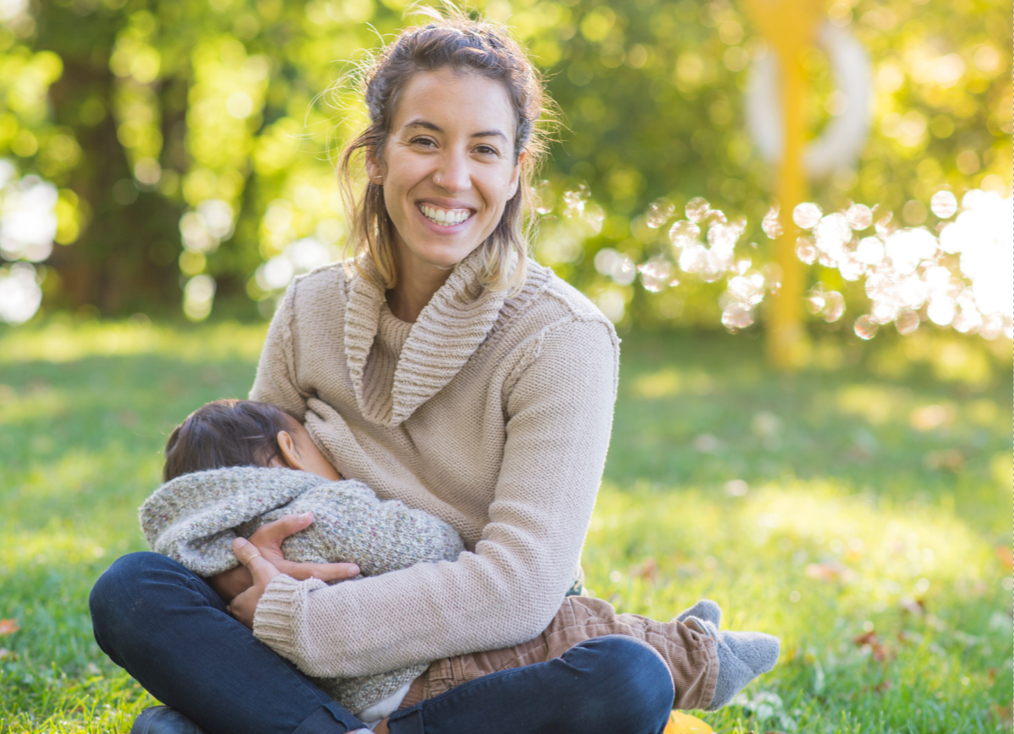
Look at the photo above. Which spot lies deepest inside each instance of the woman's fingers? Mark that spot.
(269, 537)
(322, 571)
(273, 533)
(261, 569)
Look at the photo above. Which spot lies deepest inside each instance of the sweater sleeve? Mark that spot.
(276, 380)
(559, 406)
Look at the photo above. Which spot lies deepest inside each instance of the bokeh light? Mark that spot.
(955, 275)
(28, 226)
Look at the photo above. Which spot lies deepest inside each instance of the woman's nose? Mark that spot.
(453, 174)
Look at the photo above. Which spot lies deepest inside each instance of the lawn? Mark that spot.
(860, 510)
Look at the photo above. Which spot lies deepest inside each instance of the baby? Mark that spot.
(234, 465)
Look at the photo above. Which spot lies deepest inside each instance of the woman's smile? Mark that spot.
(444, 217)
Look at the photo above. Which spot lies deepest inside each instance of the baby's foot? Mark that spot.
(705, 609)
(742, 656)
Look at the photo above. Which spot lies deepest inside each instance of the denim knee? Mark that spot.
(126, 575)
(633, 683)
(118, 603)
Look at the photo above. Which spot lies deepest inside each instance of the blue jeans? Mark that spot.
(171, 631)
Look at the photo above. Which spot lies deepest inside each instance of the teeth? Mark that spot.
(444, 216)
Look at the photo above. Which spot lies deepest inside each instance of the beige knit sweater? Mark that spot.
(491, 413)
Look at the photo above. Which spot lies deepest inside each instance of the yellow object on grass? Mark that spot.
(680, 723)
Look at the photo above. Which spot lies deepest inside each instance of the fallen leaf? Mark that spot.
(8, 626)
(681, 723)
(1004, 713)
(878, 649)
(646, 570)
(6, 654)
(913, 606)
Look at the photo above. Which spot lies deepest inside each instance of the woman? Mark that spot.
(444, 370)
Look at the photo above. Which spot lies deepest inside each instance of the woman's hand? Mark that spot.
(262, 559)
(268, 540)
(230, 584)
(244, 605)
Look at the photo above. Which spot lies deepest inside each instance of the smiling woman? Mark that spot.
(441, 368)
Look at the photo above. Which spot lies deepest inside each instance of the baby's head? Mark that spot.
(227, 433)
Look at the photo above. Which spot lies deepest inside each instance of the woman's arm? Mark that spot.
(559, 406)
(276, 380)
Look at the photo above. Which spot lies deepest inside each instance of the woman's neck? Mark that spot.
(411, 294)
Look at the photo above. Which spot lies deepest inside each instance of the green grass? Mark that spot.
(867, 495)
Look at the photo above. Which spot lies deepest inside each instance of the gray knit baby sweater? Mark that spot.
(194, 518)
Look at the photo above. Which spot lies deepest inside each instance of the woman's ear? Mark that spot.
(373, 167)
(516, 179)
(287, 454)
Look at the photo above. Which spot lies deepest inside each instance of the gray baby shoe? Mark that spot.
(742, 656)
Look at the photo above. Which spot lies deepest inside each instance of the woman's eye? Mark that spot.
(487, 150)
(425, 142)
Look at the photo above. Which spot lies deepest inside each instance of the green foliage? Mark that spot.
(142, 111)
(860, 511)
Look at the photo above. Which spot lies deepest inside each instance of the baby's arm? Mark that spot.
(351, 524)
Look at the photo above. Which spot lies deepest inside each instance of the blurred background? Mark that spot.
(174, 159)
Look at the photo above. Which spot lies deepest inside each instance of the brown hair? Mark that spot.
(225, 433)
(464, 45)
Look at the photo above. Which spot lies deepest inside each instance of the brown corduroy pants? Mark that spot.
(690, 655)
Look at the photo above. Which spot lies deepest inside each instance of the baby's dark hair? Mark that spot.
(225, 433)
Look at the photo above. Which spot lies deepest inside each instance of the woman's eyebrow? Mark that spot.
(437, 129)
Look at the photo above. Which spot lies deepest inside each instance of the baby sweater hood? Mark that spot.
(193, 518)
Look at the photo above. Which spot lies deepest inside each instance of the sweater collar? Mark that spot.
(448, 331)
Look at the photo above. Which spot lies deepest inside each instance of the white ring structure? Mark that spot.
(844, 135)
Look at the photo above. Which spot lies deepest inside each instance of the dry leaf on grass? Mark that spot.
(8, 626)
(878, 649)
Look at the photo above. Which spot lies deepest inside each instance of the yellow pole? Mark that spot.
(789, 26)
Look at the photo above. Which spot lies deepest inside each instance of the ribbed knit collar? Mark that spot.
(448, 331)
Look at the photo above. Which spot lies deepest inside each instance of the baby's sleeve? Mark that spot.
(351, 524)
(194, 518)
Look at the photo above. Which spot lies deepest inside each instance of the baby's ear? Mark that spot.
(287, 455)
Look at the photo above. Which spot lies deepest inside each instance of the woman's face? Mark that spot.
(447, 168)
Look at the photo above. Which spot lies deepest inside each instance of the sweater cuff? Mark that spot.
(279, 612)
